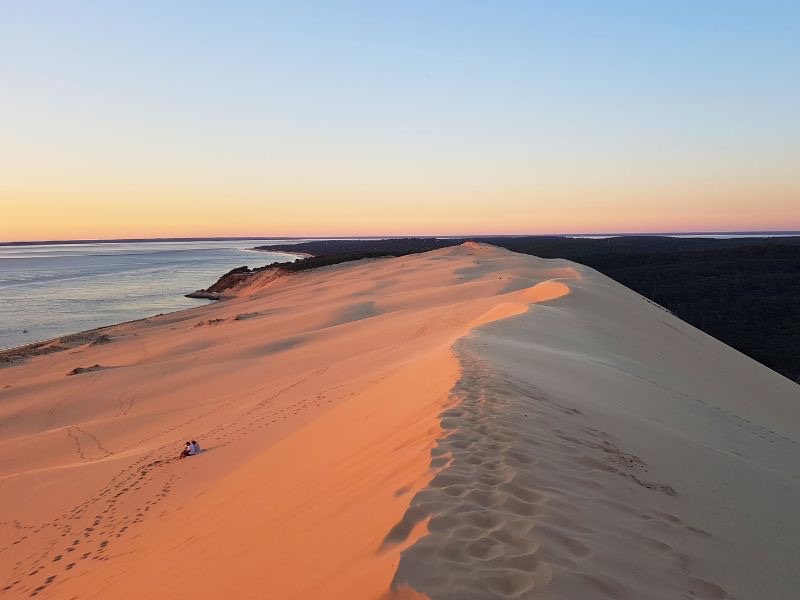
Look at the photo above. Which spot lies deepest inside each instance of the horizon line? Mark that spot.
(773, 233)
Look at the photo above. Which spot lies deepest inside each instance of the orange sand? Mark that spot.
(317, 407)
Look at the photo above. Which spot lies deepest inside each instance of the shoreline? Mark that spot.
(211, 297)
(87, 333)
(36, 344)
(298, 254)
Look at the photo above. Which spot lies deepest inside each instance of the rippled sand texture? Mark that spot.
(600, 448)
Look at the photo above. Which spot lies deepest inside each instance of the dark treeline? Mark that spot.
(743, 291)
(325, 260)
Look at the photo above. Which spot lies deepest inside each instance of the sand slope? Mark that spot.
(604, 449)
(466, 423)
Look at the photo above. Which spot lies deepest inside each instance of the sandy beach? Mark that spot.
(468, 423)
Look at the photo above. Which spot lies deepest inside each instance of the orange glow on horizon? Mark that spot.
(145, 214)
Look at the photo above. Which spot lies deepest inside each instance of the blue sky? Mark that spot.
(568, 116)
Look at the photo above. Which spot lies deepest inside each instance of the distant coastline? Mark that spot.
(770, 233)
(259, 249)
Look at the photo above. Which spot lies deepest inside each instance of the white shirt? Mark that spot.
(190, 450)
(196, 448)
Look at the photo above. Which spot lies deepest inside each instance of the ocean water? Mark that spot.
(51, 290)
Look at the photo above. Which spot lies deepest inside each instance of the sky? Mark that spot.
(148, 119)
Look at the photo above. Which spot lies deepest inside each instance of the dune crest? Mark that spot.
(546, 290)
(317, 397)
(601, 448)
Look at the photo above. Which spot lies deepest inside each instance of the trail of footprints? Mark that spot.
(746, 425)
(511, 507)
(91, 541)
(87, 531)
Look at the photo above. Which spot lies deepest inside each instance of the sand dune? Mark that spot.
(466, 423)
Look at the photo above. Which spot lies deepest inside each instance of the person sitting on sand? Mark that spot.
(188, 451)
(196, 447)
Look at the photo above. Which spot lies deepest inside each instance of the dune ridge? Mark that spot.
(601, 448)
(465, 423)
(319, 385)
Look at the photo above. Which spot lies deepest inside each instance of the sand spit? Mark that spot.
(465, 423)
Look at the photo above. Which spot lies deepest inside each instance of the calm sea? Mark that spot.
(50, 290)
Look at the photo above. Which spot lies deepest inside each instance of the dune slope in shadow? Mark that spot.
(602, 448)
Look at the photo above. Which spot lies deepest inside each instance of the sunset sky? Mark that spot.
(142, 119)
